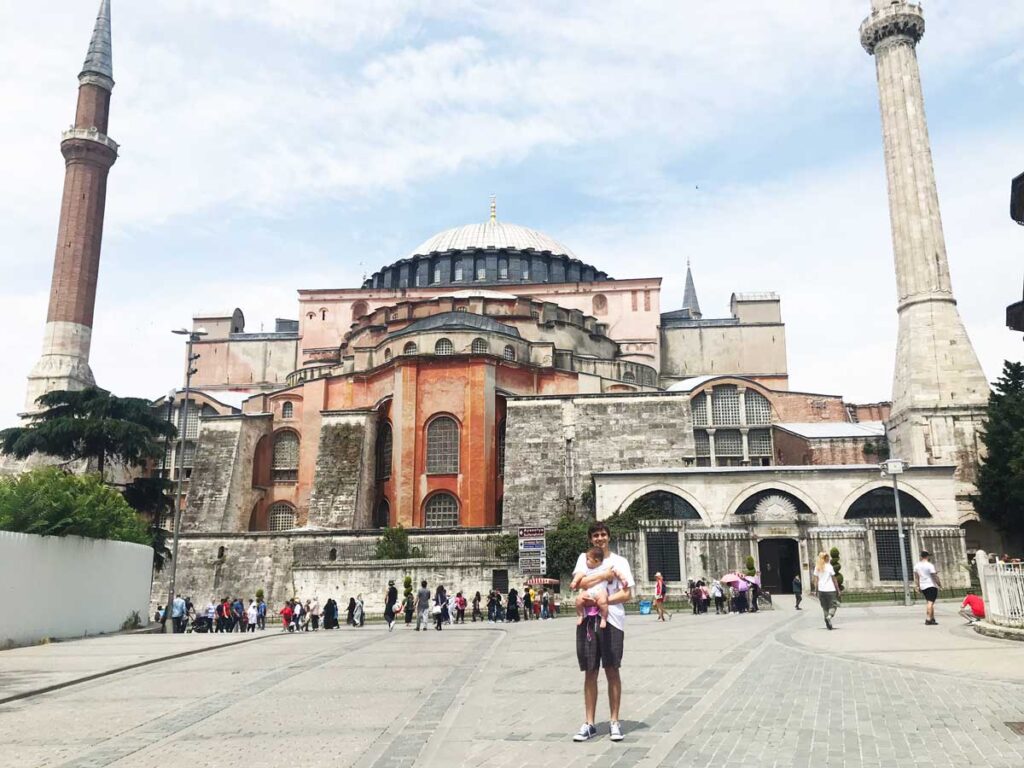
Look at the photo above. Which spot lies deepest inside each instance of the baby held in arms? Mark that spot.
(593, 601)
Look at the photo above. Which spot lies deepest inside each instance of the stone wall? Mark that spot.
(553, 445)
(342, 494)
(221, 493)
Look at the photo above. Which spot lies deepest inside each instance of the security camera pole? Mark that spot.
(193, 336)
(894, 468)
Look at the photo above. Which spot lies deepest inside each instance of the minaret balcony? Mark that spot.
(90, 134)
(899, 20)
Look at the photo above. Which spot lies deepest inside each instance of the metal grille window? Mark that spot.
(410, 348)
(479, 346)
(286, 458)
(887, 545)
(699, 407)
(503, 269)
(728, 442)
(725, 405)
(437, 273)
(444, 347)
(510, 352)
(287, 410)
(188, 455)
(526, 270)
(759, 410)
(628, 376)
(190, 430)
(481, 270)
(442, 511)
(281, 518)
(385, 447)
(443, 446)
(663, 555)
(702, 443)
(458, 271)
(760, 442)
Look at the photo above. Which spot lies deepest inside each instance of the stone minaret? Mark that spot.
(88, 154)
(939, 388)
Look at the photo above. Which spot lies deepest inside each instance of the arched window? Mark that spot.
(443, 446)
(880, 503)
(699, 408)
(286, 458)
(387, 354)
(385, 446)
(759, 410)
(323, 313)
(458, 271)
(773, 504)
(410, 348)
(510, 352)
(281, 517)
(382, 514)
(503, 268)
(524, 268)
(628, 376)
(663, 505)
(287, 410)
(481, 269)
(442, 511)
(725, 405)
(600, 304)
(444, 347)
(480, 346)
(333, 554)
(358, 310)
(220, 553)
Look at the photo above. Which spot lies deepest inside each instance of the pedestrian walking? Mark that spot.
(422, 606)
(512, 609)
(261, 614)
(718, 593)
(597, 648)
(314, 613)
(252, 615)
(286, 617)
(798, 590)
(823, 580)
(659, 596)
(460, 609)
(409, 606)
(926, 578)
(350, 612)
(527, 603)
(391, 605)
(178, 614)
(476, 607)
(358, 614)
(440, 609)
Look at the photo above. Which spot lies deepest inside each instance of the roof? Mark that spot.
(477, 293)
(690, 302)
(458, 321)
(756, 296)
(98, 61)
(824, 430)
(491, 234)
(688, 385)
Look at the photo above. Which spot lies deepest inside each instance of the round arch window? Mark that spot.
(444, 347)
(410, 348)
(480, 346)
(510, 352)
(387, 355)
(442, 511)
(282, 517)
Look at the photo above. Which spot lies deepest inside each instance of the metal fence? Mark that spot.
(1003, 586)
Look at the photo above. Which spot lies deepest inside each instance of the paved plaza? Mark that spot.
(772, 689)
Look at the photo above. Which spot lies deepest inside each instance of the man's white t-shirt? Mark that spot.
(617, 611)
(925, 570)
(825, 581)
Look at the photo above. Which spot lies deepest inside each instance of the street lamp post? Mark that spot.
(193, 336)
(894, 468)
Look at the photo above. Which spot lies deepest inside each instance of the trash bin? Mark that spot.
(645, 607)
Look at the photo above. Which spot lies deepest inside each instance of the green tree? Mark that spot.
(751, 570)
(393, 544)
(565, 542)
(51, 502)
(91, 424)
(151, 497)
(836, 566)
(1000, 497)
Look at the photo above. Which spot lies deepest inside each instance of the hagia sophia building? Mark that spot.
(491, 379)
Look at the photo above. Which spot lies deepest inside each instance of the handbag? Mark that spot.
(435, 611)
(396, 607)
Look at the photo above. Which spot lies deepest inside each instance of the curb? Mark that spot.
(989, 629)
(128, 667)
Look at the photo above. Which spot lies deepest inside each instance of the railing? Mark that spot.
(1003, 589)
(444, 547)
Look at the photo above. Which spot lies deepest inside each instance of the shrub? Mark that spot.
(565, 542)
(834, 554)
(393, 544)
(751, 570)
(50, 502)
(506, 546)
(259, 595)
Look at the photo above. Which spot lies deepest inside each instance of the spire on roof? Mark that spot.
(494, 207)
(98, 68)
(690, 295)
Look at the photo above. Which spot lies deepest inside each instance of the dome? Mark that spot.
(491, 234)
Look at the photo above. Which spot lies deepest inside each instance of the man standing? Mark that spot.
(178, 614)
(596, 647)
(527, 603)
(798, 590)
(261, 614)
(926, 578)
(422, 606)
(390, 601)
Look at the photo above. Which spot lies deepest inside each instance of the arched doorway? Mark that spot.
(780, 562)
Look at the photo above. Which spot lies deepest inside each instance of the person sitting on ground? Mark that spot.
(592, 601)
(972, 608)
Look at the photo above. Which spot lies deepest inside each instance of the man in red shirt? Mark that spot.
(972, 608)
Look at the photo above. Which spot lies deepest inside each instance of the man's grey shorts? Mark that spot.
(596, 648)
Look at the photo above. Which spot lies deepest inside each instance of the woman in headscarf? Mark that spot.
(476, 607)
(357, 616)
(441, 600)
(351, 611)
(512, 612)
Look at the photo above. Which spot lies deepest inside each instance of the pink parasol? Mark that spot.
(731, 578)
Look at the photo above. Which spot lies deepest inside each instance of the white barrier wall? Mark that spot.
(68, 586)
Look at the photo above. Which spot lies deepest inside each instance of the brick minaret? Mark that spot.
(939, 388)
(88, 154)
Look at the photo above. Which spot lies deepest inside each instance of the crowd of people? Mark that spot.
(224, 615)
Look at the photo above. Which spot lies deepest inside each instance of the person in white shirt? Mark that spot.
(252, 614)
(823, 580)
(603, 647)
(926, 578)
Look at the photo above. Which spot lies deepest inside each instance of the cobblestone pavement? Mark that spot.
(773, 689)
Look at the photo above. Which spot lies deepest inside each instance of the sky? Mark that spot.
(273, 145)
